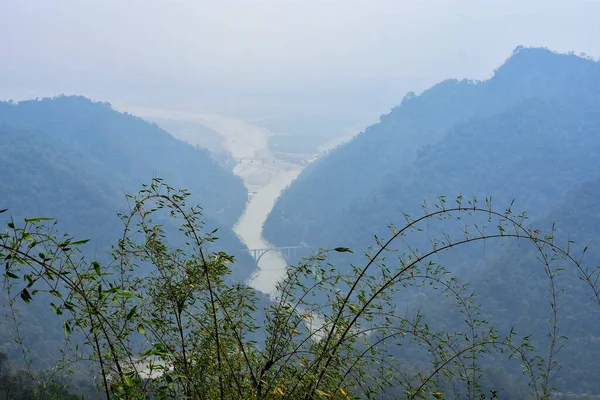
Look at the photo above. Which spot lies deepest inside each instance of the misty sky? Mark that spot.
(242, 50)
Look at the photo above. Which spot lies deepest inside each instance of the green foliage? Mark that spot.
(20, 385)
(181, 330)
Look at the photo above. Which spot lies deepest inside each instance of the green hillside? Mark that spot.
(73, 159)
(470, 137)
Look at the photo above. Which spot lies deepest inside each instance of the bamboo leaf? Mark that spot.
(11, 275)
(38, 219)
(342, 250)
(25, 296)
(131, 314)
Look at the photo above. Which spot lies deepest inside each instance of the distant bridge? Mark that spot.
(287, 252)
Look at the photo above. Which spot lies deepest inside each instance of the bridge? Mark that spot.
(287, 252)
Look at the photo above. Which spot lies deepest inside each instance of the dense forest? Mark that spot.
(529, 134)
(20, 386)
(459, 136)
(73, 159)
(453, 252)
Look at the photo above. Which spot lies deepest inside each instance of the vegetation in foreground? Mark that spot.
(161, 321)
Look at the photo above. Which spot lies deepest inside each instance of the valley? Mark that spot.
(527, 136)
(264, 174)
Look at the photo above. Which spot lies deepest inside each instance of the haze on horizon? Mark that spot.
(267, 57)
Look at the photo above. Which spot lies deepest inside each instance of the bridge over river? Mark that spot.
(287, 252)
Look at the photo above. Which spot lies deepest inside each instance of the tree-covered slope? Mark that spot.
(74, 159)
(526, 134)
(130, 150)
(531, 133)
(45, 177)
(515, 289)
(532, 153)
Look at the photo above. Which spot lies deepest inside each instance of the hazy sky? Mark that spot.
(240, 50)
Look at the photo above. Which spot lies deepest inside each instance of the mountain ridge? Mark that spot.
(344, 182)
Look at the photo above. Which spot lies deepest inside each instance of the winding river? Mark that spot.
(263, 174)
(266, 177)
(271, 267)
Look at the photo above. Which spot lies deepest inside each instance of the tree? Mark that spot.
(161, 320)
(5, 378)
(21, 385)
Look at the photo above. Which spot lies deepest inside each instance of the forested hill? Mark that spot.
(527, 134)
(74, 159)
(42, 176)
(514, 288)
(126, 151)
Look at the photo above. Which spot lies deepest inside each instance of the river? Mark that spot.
(263, 174)
(266, 177)
(271, 267)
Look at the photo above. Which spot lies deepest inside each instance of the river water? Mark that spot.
(266, 177)
(271, 267)
(263, 174)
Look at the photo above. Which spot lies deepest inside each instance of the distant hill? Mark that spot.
(514, 288)
(531, 134)
(527, 133)
(74, 159)
(127, 150)
(201, 135)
